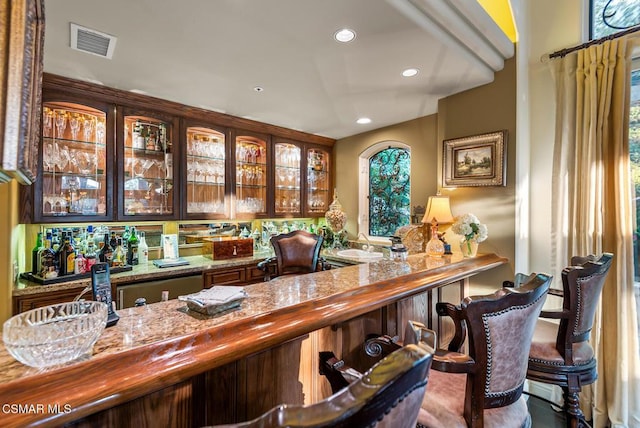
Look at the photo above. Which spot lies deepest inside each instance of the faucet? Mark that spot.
(367, 246)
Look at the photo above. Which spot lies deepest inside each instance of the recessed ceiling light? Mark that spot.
(363, 120)
(410, 72)
(258, 89)
(344, 35)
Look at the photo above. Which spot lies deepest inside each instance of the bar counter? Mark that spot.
(163, 344)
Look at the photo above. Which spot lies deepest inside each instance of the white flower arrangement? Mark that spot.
(470, 227)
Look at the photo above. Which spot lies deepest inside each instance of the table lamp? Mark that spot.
(438, 212)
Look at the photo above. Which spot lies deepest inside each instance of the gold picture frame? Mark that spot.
(478, 160)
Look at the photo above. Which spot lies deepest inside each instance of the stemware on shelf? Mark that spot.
(73, 180)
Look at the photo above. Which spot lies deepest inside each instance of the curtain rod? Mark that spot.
(561, 53)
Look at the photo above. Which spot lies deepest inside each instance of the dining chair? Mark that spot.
(483, 388)
(296, 252)
(386, 396)
(561, 353)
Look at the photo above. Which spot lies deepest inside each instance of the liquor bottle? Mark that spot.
(113, 241)
(80, 264)
(106, 252)
(132, 248)
(90, 257)
(61, 258)
(36, 253)
(118, 254)
(48, 260)
(70, 254)
(143, 250)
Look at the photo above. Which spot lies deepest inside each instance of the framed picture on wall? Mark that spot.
(478, 160)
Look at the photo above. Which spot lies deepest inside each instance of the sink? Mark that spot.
(360, 254)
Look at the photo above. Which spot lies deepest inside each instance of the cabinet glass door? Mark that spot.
(148, 167)
(318, 182)
(73, 161)
(205, 172)
(251, 176)
(287, 175)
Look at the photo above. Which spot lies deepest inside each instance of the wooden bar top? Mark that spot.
(162, 344)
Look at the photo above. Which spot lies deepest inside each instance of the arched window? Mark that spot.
(385, 189)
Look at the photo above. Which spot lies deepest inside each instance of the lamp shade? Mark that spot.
(438, 207)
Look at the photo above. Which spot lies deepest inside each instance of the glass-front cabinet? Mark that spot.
(205, 173)
(318, 182)
(251, 175)
(288, 191)
(75, 162)
(148, 171)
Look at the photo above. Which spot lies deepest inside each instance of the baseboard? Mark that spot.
(544, 390)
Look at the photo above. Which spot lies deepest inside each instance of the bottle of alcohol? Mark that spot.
(61, 258)
(132, 248)
(70, 254)
(80, 263)
(36, 253)
(106, 252)
(143, 250)
(48, 260)
(113, 241)
(90, 257)
(118, 254)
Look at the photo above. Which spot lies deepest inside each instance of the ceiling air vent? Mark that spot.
(92, 41)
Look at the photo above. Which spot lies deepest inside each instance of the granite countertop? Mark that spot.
(160, 343)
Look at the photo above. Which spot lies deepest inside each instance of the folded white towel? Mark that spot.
(216, 295)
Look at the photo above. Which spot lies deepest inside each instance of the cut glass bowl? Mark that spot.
(54, 334)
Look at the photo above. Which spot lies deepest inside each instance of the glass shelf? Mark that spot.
(318, 181)
(251, 175)
(73, 160)
(148, 166)
(288, 191)
(206, 171)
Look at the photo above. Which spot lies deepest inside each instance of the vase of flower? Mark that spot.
(469, 247)
(472, 231)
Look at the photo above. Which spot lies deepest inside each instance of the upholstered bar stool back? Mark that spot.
(484, 387)
(386, 396)
(560, 353)
(295, 253)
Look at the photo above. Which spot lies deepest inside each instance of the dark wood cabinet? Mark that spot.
(159, 160)
(148, 171)
(32, 301)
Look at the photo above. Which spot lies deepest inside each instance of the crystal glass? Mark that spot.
(54, 334)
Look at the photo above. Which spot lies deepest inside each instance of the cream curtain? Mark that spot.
(593, 211)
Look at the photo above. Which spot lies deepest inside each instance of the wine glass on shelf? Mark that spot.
(47, 121)
(87, 127)
(100, 131)
(74, 125)
(61, 122)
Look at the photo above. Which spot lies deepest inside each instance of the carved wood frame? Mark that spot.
(22, 41)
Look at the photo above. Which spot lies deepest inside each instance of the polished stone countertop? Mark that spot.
(160, 344)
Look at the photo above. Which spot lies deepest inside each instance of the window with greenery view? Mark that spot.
(389, 191)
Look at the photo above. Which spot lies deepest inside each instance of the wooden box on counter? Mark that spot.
(227, 248)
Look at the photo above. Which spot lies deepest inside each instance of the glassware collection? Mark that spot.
(251, 175)
(148, 166)
(73, 160)
(205, 171)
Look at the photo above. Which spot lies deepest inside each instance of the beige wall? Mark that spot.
(9, 244)
(419, 133)
(485, 109)
(488, 108)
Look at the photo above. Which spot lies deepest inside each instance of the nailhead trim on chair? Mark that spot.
(579, 297)
(398, 401)
(485, 318)
(554, 363)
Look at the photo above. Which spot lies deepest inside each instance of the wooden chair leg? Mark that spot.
(575, 417)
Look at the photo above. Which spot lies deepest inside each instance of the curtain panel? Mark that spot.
(593, 211)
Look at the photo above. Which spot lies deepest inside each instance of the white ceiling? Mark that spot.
(212, 53)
